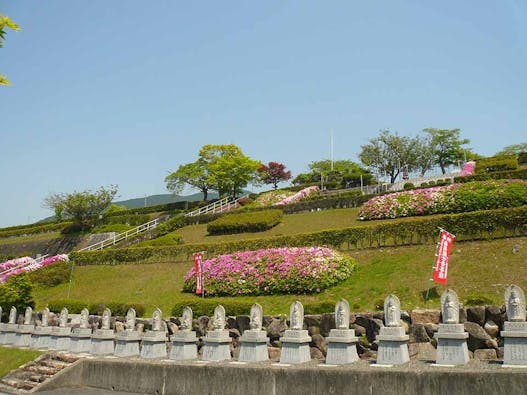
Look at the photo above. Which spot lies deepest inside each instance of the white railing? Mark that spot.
(122, 236)
(219, 206)
(35, 261)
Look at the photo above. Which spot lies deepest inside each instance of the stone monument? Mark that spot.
(451, 337)
(23, 333)
(11, 327)
(60, 335)
(80, 340)
(127, 342)
(41, 334)
(102, 340)
(155, 341)
(295, 342)
(342, 342)
(184, 341)
(515, 328)
(393, 341)
(253, 342)
(217, 341)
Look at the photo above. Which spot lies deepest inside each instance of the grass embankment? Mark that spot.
(478, 269)
(12, 358)
(30, 238)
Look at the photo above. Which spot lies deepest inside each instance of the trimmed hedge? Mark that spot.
(34, 229)
(76, 306)
(161, 208)
(245, 222)
(205, 307)
(128, 219)
(520, 174)
(406, 231)
(496, 163)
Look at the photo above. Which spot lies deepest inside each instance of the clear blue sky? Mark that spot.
(121, 92)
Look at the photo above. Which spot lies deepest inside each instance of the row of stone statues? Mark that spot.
(342, 342)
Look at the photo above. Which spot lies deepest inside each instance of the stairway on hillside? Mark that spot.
(29, 376)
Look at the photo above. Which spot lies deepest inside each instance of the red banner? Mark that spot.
(444, 249)
(198, 268)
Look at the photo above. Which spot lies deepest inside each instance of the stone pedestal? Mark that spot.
(154, 345)
(9, 331)
(217, 346)
(41, 337)
(452, 345)
(393, 346)
(184, 346)
(253, 346)
(102, 342)
(295, 346)
(60, 338)
(1, 332)
(127, 344)
(515, 343)
(23, 335)
(80, 340)
(342, 347)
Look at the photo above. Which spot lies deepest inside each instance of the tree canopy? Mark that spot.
(447, 146)
(513, 149)
(5, 23)
(273, 173)
(340, 173)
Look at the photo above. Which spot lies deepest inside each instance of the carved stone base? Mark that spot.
(451, 345)
(102, 342)
(216, 346)
(40, 337)
(23, 335)
(393, 346)
(9, 331)
(253, 346)
(153, 349)
(80, 340)
(342, 347)
(60, 338)
(515, 343)
(184, 347)
(127, 344)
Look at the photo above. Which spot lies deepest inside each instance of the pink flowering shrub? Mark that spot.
(302, 194)
(468, 169)
(15, 263)
(28, 264)
(272, 271)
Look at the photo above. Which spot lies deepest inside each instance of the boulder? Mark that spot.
(492, 329)
(418, 334)
(313, 330)
(203, 323)
(274, 353)
(431, 329)
(476, 314)
(276, 328)
(243, 322)
(140, 328)
(425, 316)
(119, 326)
(486, 354)
(478, 338)
(231, 322)
(372, 326)
(172, 327)
(316, 353)
(359, 330)
(422, 351)
(496, 314)
(319, 342)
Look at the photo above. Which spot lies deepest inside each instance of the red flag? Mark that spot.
(198, 268)
(443, 253)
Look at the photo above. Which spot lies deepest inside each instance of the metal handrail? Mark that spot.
(218, 206)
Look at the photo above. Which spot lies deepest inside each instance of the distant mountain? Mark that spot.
(154, 200)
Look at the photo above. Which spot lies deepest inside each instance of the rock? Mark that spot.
(276, 328)
(500, 353)
(234, 333)
(374, 346)
(274, 353)
(203, 323)
(313, 330)
(242, 323)
(431, 329)
(462, 315)
(316, 353)
(172, 327)
(422, 351)
(319, 342)
(231, 322)
(486, 354)
(372, 326)
(492, 329)
(369, 355)
(418, 334)
(425, 316)
(476, 314)
(140, 328)
(119, 326)
(405, 316)
(327, 323)
(359, 330)
(478, 338)
(406, 326)
(496, 314)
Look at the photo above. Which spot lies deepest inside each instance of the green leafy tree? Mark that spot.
(16, 292)
(340, 173)
(5, 23)
(425, 154)
(513, 149)
(448, 146)
(194, 174)
(273, 173)
(84, 208)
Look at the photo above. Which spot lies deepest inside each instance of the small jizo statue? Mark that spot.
(450, 307)
(157, 320)
(186, 319)
(45, 316)
(12, 315)
(296, 318)
(256, 317)
(28, 315)
(392, 311)
(106, 316)
(85, 314)
(0, 313)
(219, 318)
(515, 303)
(63, 318)
(342, 314)
(129, 325)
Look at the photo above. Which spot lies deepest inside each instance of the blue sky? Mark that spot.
(108, 92)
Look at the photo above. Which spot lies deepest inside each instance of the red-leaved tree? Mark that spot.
(273, 173)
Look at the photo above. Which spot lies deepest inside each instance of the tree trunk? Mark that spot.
(205, 194)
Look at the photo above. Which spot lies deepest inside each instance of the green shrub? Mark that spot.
(166, 240)
(128, 219)
(519, 174)
(496, 163)
(522, 158)
(33, 229)
(205, 306)
(71, 229)
(408, 185)
(76, 306)
(51, 275)
(245, 222)
(171, 225)
(16, 292)
(73, 306)
(116, 228)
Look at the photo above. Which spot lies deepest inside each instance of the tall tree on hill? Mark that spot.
(340, 173)
(448, 146)
(5, 23)
(273, 173)
(513, 149)
(194, 174)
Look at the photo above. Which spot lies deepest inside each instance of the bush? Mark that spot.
(73, 306)
(129, 219)
(51, 275)
(408, 185)
(16, 292)
(522, 158)
(166, 240)
(71, 229)
(205, 307)
(171, 225)
(519, 174)
(112, 228)
(245, 222)
(76, 306)
(496, 163)
(33, 229)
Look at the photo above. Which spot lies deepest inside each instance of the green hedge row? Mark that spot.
(327, 202)
(175, 206)
(53, 227)
(496, 163)
(128, 219)
(245, 222)
(466, 226)
(520, 174)
(76, 306)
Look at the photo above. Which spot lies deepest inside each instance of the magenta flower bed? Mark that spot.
(26, 264)
(272, 271)
(302, 194)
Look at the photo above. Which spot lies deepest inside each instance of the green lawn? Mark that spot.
(29, 238)
(12, 358)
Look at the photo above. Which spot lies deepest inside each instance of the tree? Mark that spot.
(5, 23)
(513, 149)
(194, 174)
(16, 292)
(340, 173)
(273, 173)
(447, 145)
(389, 154)
(425, 154)
(84, 208)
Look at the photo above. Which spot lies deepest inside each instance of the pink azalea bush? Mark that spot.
(468, 169)
(272, 271)
(15, 263)
(302, 194)
(27, 264)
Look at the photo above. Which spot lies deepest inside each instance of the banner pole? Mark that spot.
(432, 271)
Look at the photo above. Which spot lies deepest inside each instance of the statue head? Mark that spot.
(130, 320)
(219, 318)
(515, 303)
(392, 311)
(106, 316)
(63, 317)
(450, 307)
(342, 314)
(186, 319)
(256, 317)
(85, 314)
(157, 319)
(28, 315)
(12, 315)
(45, 316)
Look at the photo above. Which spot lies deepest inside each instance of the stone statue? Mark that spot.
(12, 315)
(157, 320)
(515, 303)
(342, 314)
(392, 311)
(297, 316)
(0, 314)
(106, 315)
(84, 318)
(186, 319)
(28, 315)
(63, 318)
(450, 307)
(256, 317)
(45, 316)
(219, 318)
(129, 325)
